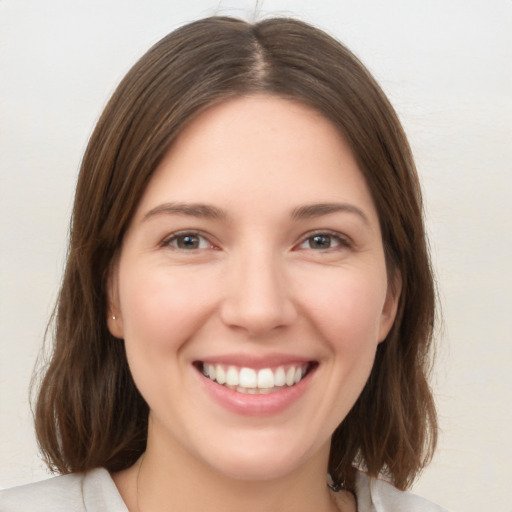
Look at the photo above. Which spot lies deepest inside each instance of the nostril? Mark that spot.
(257, 297)
(257, 319)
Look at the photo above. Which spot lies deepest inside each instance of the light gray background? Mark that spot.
(446, 66)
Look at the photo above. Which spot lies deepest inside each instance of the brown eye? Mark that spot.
(187, 241)
(320, 242)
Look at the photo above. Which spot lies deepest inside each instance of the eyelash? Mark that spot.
(340, 241)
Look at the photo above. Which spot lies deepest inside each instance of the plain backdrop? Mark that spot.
(446, 66)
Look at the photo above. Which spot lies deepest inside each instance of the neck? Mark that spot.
(165, 481)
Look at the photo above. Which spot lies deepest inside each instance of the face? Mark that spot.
(251, 289)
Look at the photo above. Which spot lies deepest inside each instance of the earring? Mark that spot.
(334, 484)
(113, 317)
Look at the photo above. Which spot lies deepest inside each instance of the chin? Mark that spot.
(255, 462)
(251, 471)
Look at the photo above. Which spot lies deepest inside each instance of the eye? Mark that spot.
(187, 241)
(319, 241)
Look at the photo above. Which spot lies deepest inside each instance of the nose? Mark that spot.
(258, 296)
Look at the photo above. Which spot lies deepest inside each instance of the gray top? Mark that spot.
(95, 491)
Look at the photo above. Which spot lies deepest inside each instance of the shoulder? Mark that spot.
(375, 495)
(58, 493)
(93, 491)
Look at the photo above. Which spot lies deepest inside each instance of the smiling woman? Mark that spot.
(214, 309)
(248, 303)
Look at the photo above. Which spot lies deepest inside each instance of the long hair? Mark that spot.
(89, 412)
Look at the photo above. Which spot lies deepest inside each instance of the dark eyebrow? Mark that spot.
(318, 210)
(191, 209)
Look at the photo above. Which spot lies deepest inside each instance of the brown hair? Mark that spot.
(89, 412)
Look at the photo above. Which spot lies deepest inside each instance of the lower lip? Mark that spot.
(255, 405)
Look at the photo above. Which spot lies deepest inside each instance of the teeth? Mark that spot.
(248, 378)
(251, 381)
(232, 377)
(280, 377)
(210, 371)
(290, 376)
(265, 379)
(220, 374)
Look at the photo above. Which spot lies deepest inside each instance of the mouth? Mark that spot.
(256, 381)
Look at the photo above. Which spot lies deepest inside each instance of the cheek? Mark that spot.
(345, 314)
(347, 308)
(161, 308)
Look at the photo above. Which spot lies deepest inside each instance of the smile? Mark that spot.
(255, 381)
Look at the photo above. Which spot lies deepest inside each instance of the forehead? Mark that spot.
(259, 148)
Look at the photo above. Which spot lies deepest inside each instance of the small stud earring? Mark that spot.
(113, 317)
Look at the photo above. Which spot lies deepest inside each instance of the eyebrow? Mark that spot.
(320, 209)
(201, 210)
(207, 211)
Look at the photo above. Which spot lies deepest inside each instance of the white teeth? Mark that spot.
(232, 376)
(265, 379)
(280, 377)
(249, 380)
(220, 374)
(290, 376)
(210, 370)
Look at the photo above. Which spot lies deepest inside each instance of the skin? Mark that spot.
(256, 284)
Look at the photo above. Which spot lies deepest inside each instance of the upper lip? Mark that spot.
(256, 362)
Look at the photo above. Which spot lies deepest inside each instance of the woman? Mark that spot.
(247, 309)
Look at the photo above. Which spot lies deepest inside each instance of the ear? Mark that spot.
(114, 316)
(390, 307)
